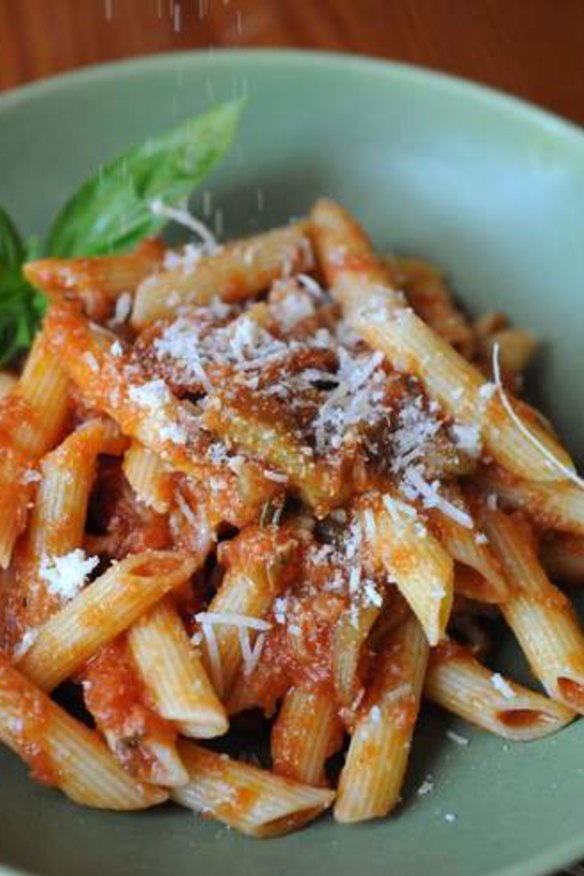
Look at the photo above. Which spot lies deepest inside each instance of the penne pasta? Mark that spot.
(107, 276)
(101, 612)
(32, 419)
(350, 636)
(174, 675)
(237, 271)
(63, 752)
(141, 740)
(50, 566)
(253, 801)
(252, 581)
(426, 291)
(149, 477)
(419, 565)
(456, 681)
(284, 459)
(541, 616)
(307, 732)
(148, 412)
(469, 547)
(371, 780)
(554, 506)
(377, 312)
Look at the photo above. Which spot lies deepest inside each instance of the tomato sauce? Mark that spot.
(117, 699)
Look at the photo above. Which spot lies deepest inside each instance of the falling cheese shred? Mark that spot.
(553, 462)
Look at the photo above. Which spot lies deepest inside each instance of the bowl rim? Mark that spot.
(316, 58)
(561, 854)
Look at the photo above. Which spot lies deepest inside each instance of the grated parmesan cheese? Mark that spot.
(375, 714)
(467, 439)
(66, 575)
(187, 220)
(151, 395)
(547, 454)
(26, 642)
(233, 619)
(426, 787)
(457, 738)
(31, 476)
(402, 690)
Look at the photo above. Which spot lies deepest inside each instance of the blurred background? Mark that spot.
(532, 48)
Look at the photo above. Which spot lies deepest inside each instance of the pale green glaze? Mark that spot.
(486, 185)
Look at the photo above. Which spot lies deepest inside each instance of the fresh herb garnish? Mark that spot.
(111, 212)
(21, 306)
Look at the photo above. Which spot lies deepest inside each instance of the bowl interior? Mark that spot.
(482, 184)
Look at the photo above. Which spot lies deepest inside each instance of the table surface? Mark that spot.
(532, 48)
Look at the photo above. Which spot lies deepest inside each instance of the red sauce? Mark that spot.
(127, 526)
(117, 699)
(300, 652)
(448, 650)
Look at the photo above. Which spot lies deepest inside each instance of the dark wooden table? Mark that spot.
(532, 48)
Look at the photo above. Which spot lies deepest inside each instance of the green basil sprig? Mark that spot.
(21, 306)
(111, 212)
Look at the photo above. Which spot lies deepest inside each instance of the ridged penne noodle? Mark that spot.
(237, 271)
(414, 559)
(262, 479)
(143, 742)
(371, 780)
(306, 733)
(349, 639)
(428, 294)
(15, 481)
(459, 683)
(377, 312)
(62, 751)
(57, 522)
(34, 413)
(148, 476)
(562, 556)
(555, 506)
(32, 418)
(145, 411)
(89, 356)
(109, 276)
(175, 677)
(251, 800)
(470, 547)
(250, 585)
(541, 616)
(101, 612)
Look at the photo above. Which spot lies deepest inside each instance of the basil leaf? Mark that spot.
(21, 306)
(12, 250)
(111, 211)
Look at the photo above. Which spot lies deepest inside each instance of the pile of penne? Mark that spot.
(282, 476)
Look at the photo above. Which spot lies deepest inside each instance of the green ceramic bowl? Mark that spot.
(484, 184)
